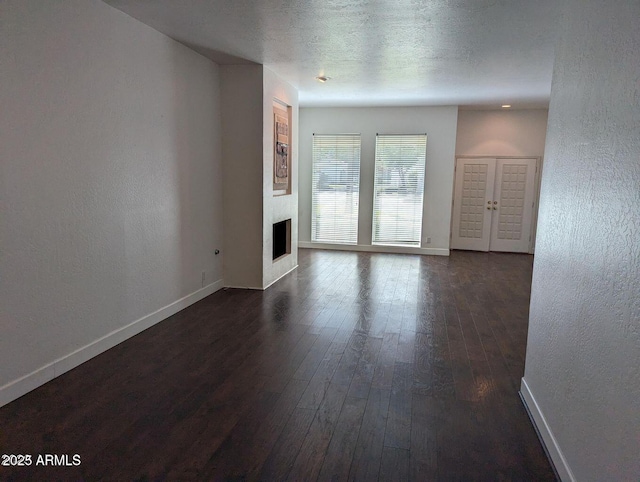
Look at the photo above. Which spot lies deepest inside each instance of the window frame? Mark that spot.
(349, 179)
(383, 185)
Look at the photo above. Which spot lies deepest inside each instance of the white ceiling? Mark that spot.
(377, 52)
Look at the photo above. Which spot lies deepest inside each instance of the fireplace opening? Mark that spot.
(281, 239)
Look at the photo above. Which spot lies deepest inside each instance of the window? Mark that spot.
(335, 189)
(398, 189)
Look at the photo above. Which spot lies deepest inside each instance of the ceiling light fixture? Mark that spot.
(322, 78)
(506, 106)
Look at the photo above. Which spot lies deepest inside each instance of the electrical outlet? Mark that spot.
(204, 276)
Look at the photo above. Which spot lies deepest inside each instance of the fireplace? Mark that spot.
(281, 239)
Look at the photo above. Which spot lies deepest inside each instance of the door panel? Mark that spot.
(513, 205)
(472, 209)
(493, 204)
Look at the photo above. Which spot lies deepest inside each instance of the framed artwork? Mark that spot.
(281, 154)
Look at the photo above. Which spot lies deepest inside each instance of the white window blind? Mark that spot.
(335, 188)
(399, 189)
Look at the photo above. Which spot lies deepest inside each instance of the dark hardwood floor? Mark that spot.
(353, 367)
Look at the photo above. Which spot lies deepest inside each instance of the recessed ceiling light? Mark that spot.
(322, 78)
(506, 106)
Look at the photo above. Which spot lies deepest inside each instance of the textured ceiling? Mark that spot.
(384, 52)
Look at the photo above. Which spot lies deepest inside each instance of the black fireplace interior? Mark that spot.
(280, 239)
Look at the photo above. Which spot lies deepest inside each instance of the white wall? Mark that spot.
(440, 125)
(242, 146)
(278, 208)
(111, 191)
(501, 133)
(582, 375)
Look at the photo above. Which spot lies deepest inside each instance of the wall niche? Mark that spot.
(281, 149)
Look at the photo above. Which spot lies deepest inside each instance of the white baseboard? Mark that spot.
(25, 384)
(234, 287)
(375, 248)
(281, 276)
(550, 442)
(264, 288)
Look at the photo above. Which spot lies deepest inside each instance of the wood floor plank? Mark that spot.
(423, 362)
(385, 363)
(398, 429)
(394, 465)
(316, 354)
(284, 452)
(310, 458)
(349, 362)
(405, 349)
(337, 461)
(363, 375)
(367, 455)
(424, 425)
(319, 383)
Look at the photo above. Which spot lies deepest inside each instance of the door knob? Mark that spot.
(495, 202)
(495, 208)
(488, 208)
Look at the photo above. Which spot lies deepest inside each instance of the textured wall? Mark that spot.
(583, 352)
(440, 125)
(110, 176)
(501, 132)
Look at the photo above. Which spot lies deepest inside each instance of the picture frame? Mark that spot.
(281, 151)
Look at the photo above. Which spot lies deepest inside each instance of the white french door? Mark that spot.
(472, 204)
(493, 204)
